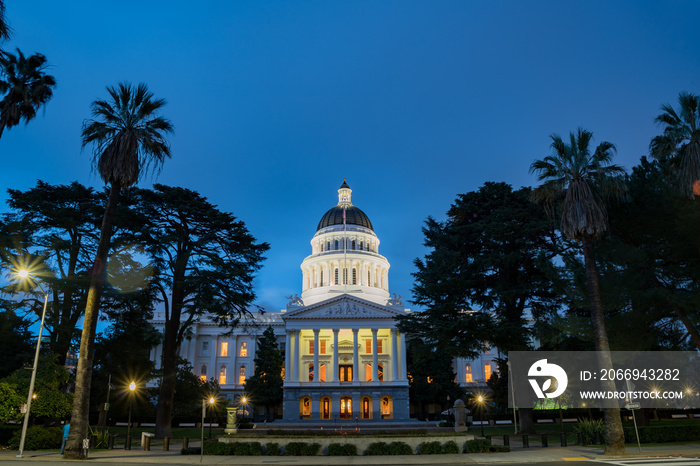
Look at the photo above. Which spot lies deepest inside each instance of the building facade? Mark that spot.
(344, 357)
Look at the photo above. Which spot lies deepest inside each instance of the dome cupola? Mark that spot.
(353, 215)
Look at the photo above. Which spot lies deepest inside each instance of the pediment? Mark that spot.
(343, 308)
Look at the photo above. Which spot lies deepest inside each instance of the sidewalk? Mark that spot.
(518, 455)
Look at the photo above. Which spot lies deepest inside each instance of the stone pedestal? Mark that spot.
(231, 420)
(460, 416)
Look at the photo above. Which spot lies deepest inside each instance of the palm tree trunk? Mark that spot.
(80, 420)
(614, 435)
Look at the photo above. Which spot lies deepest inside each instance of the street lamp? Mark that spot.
(132, 388)
(480, 400)
(25, 274)
(212, 400)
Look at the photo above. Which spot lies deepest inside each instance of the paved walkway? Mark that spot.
(518, 455)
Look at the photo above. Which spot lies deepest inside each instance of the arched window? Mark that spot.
(369, 278)
(487, 371)
(305, 407)
(387, 408)
(380, 372)
(352, 245)
(468, 372)
(203, 373)
(241, 376)
(325, 408)
(321, 278)
(222, 375)
(336, 245)
(244, 349)
(345, 276)
(335, 281)
(354, 276)
(362, 246)
(321, 247)
(345, 407)
(366, 407)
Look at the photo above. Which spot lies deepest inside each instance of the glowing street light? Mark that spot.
(132, 388)
(212, 400)
(25, 274)
(481, 400)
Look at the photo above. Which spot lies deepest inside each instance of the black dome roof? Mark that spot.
(353, 216)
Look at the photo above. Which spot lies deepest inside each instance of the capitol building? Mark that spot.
(344, 357)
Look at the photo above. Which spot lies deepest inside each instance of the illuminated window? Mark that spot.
(323, 347)
(282, 373)
(322, 373)
(430, 380)
(203, 373)
(244, 349)
(311, 372)
(368, 346)
(306, 407)
(345, 373)
(468, 371)
(222, 376)
(224, 348)
(379, 347)
(366, 407)
(368, 372)
(241, 376)
(380, 372)
(487, 371)
(312, 346)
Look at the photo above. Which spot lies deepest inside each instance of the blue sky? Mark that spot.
(414, 102)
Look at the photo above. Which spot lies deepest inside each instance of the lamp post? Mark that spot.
(480, 400)
(244, 402)
(132, 388)
(24, 274)
(212, 400)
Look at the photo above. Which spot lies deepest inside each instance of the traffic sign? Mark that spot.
(633, 406)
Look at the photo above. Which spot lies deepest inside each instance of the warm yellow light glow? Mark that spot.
(132, 386)
(212, 400)
(480, 399)
(33, 396)
(23, 273)
(244, 400)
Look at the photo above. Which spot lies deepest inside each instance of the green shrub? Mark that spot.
(378, 448)
(477, 446)
(302, 449)
(218, 448)
(499, 449)
(450, 447)
(272, 449)
(191, 451)
(430, 448)
(345, 449)
(400, 448)
(663, 434)
(38, 438)
(6, 433)
(588, 428)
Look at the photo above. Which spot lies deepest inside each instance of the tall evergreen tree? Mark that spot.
(265, 386)
(129, 137)
(16, 348)
(578, 182)
(204, 261)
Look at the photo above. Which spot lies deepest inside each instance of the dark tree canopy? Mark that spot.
(16, 348)
(265, 386)
(204, 261)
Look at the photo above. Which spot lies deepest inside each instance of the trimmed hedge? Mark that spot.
(38, 438)
(235, 448)
(430, 448)
(450, 447)
(302, 449)
(663, 434)
(400, 448)
(393, 448)
(342, 449)
(477, 446)
(272, 449)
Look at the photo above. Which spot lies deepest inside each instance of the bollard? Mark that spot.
(506, 440)
(526, 441)
(166, 444)
(127, 445)
(580, 438)
(110, 442)
(563, 440)
(545, 441)
(147, 443)
(597, 438)
(185, 442)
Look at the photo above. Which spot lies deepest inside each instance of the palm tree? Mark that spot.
(128, 138)
(25, 85)
(579, 181)
(5, 29)
(680, 141)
